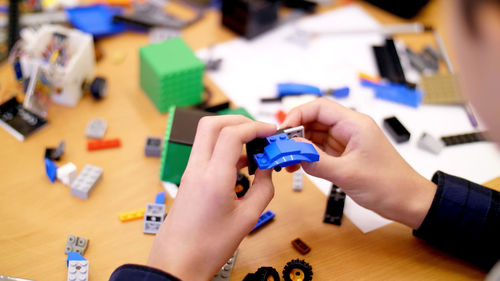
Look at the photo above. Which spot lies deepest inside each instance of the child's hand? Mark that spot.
(356, 155)
(207, 221)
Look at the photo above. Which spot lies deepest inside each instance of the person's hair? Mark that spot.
(469, 8)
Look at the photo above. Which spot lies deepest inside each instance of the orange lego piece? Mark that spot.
(280, 116)
(364, 76)
(132, 215)
(103, 144)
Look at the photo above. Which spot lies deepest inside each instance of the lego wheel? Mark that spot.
(98, 88)
(242, 185)
(297, 270)
(267, 274)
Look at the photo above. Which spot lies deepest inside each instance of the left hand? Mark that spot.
(207, 222)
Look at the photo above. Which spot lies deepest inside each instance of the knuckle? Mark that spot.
(206, 122)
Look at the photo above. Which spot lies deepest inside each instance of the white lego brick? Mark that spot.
(78, 271)
(430, 144)
(298, 180)
(96, 129)
(170, 188)
(295, 132)
(86, 181)
(153, 217)
(67, 173)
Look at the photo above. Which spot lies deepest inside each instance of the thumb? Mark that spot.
(261, 192)
(325, 168)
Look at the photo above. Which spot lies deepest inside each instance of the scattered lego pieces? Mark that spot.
(282, 152)
(263, 219)
(78, 270)
(55, 153)
(86, 181)
(396, 130)
(263, 274)
(242, 185)
(103, 144)
(298, 180)
(226, 270)
(76, 244)
(300, 246)
(50, 170)
(463, 138)
(170, 74)
(297, 270)
(132, 215)
(160, 198)
(335, 206)
(430, 144)
(67, 173)
(96, 129)
(153, 147)
(74, 256)
(153, 218)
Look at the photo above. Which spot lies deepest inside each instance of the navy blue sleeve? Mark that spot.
(464, 220)
(135, 272)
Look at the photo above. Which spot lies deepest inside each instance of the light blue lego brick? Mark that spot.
(282, 151)
(263, 219)
(153, 218)
(74, 256)
(86, 181)
(294, 89)
(160, 198)
(78, 270)
(50, 170)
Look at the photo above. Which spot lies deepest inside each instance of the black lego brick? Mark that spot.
(185, 124)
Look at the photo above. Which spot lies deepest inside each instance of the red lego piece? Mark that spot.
(103, 144)
(280, 116)
(300, 246)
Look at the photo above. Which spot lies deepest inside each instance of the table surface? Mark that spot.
(37, 216)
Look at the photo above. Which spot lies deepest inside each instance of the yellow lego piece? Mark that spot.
(132, 215)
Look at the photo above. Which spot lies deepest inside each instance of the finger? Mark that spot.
(229, 144)
(320, 110)
(207, 133)
(327, 166)
(261, 192)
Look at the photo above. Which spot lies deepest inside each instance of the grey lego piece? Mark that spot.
(153, 147)
(76, 244)
(298, 180)
(416, 61)
(225, 272)
(96, 129)
(430, 144)
(430, 51)
(153, 217)
(78, 270)
(295, 132)
(86, 181)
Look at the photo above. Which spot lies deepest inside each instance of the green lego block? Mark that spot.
(236, 111)
(174, 161)
(170, 74)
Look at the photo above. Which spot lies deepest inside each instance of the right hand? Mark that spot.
(356, 156)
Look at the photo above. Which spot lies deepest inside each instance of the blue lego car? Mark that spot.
(282, 152)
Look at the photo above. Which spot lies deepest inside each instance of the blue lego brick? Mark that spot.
(341, 92)
(394, 92)
(266, 217)
(51, 170)
(282, 151)
(160, 198)
(74, 256)
(294, 89)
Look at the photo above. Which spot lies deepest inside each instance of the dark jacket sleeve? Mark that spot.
(464, 220)
(134, 272)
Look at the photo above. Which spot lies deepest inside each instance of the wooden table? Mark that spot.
(37, 216)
